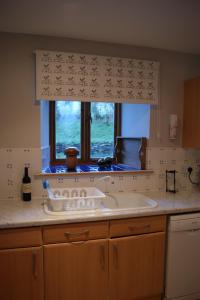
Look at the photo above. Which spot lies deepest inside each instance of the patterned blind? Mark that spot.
(81, 77)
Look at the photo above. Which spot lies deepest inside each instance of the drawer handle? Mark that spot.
(102, 257)
(133, 228)
(34, 260)
(68, 234)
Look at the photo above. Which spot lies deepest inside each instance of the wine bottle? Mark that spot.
(26, 186)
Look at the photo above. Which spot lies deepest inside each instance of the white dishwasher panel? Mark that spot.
(183, 258)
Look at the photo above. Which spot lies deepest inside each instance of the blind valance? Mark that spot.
(81, 77)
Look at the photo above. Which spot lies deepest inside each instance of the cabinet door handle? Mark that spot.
(34, 264)
(68, 234)
(133, 228)
(115, 256)
(79, 243)
(102, 257)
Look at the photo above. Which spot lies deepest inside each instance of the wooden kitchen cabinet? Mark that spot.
(136, 258)
(106, 260)
(191, 117)
(76, 270)
(136, 266)
(21, 274)
(21, 264)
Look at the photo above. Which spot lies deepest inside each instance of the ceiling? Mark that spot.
(165, 24)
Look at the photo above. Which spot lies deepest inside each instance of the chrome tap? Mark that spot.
(107, 179)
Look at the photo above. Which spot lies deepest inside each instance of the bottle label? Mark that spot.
(26, 188)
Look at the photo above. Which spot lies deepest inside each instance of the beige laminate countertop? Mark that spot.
(16, 213)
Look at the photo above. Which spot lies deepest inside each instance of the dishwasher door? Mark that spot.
(183, 257)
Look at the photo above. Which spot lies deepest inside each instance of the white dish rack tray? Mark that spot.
(73, 199)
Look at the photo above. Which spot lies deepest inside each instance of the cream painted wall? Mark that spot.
(20, 114)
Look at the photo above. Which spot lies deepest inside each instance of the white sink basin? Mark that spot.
(128, 201)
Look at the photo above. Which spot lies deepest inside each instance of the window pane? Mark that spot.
(68, 126)
(102, 129)
(140, 113)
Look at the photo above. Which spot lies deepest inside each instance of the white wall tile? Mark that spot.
(13, 160)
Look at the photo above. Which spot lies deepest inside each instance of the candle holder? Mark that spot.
(171, 181)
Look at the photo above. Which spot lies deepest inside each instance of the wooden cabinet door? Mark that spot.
(191, 117)
(21, 274)
(136, 266)
(76, 271)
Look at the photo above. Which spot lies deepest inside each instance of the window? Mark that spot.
(92, 127)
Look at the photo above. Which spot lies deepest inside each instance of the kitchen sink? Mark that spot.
(127, 201)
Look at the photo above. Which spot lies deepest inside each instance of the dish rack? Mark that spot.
(73, 199)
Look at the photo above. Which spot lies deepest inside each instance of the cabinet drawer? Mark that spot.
(137, 226)
(17, 238)
(75, 232)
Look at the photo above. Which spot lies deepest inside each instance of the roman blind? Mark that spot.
(81, 77)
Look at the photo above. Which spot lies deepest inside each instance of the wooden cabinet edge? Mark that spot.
(191, 114)
(10, 238)
(20, 237)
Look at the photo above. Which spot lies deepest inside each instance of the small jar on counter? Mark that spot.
(71, 158)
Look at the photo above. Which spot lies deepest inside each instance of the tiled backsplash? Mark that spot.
(13, 160)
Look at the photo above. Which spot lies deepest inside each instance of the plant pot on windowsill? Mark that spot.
(71, 158)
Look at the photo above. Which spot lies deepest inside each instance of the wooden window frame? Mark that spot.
(85, 133)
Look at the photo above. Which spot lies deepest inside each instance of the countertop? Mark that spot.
(16, 213)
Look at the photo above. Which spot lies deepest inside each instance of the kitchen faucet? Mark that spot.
(107, 179)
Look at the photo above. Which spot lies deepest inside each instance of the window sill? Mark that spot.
(90, 170)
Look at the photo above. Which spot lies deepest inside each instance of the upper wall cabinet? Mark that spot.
(191, 119)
